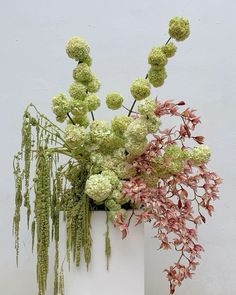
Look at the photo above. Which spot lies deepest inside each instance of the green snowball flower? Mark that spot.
(77, 48)
(99, 130)
(75, 135)
(97, 160)
(114, 180)
(94, 85)
(147, 106)
(140, 89)
(157, 57)
(179, 28)
(60, 107)
(111, 143)
(78, 107)
(137, 130)
(169, 49)
(200, 155)
(125, 171)
(78, 91)
(112, 205)
(119, 124)
(98, 187)
(93, 102)
(114, 101)
(152, 122)
(80, 120)
(88, 60)
(135, 148)
(157, 77)
(172, 162)
(175, 152)
(82, 73)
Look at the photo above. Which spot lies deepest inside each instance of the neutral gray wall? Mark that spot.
(34, 67)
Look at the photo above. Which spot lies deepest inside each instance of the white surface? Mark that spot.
(126, 262)
(34, 67)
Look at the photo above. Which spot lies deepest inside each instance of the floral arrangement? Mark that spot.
(131, 163)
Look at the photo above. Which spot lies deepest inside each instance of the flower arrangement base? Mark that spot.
(126, 265)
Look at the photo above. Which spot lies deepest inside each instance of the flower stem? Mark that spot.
(70, 119)
(168, 41)
(131, 109)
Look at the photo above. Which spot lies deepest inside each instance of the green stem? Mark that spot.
(44, 117)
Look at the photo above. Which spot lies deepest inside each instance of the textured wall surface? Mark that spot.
(34, 67)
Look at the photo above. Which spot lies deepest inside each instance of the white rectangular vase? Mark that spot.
(126, 267)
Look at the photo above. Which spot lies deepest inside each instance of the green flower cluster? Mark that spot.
(169, 49)
(98, 187)
(82, 98)
(158, 56)
(140, 89)
(179, 28)
(147, 106)
(200, 155)
(78, 49)
(171, 162)
(114, 101)
(75, 135)
(60, 107)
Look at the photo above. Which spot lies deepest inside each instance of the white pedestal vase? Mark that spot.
(126, 267)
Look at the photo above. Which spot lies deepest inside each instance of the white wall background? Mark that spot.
(34, 67)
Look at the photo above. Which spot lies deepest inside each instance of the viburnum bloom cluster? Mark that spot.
(131, 167)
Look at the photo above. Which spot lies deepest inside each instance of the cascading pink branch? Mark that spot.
(176, 204)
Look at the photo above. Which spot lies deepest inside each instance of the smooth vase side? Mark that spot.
(126, 266)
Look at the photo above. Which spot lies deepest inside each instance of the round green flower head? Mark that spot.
(152, 122)
(137, 130)
(93, 102)
(94, 85)
(88, 60)
(78, 107)
(114, 101)
(77, 48)
(112, 205)
(111, 143)
(82, 73)
(75, 135)
(81, 120)
(200, 155)
(114, 180)
(169, 49)
(60, 107)
(119, 124)
(157, 57)
(78, 90)
(157, 77)
(99, 130)
(98, 187)
(125, 170)
(140, 89)
(179, 28)
(147, 106)
(135, 148)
